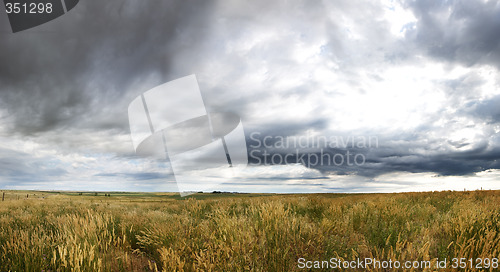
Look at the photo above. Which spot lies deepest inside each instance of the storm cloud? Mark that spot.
(73, 69)
(419, 76)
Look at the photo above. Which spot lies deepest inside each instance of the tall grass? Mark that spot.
(235, 233)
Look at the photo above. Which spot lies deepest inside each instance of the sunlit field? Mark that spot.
(49, 231)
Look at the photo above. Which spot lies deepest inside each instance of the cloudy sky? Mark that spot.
(408, 91)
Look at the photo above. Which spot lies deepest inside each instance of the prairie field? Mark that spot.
(71, 231)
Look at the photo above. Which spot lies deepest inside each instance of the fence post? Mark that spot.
(3, 196)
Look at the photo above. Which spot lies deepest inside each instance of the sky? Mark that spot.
(393, 95)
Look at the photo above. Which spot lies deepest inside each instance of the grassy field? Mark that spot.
(49, 231)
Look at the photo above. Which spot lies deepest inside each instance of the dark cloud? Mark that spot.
(395, 153)
(68, 82)
(448, 163)
(459, 31)
(76, 70)
(486, 110)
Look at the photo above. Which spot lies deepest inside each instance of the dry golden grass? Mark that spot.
(153, 232)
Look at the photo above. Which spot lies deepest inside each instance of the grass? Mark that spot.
(51, 231)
